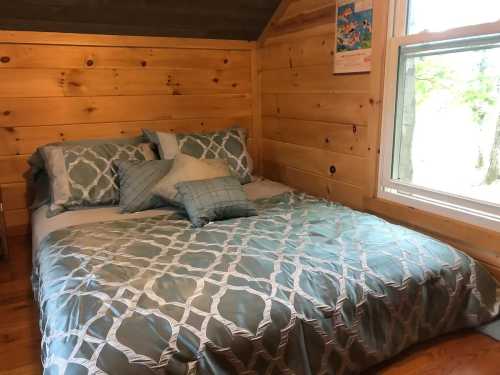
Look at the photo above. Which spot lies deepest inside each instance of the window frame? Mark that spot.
(484, 214)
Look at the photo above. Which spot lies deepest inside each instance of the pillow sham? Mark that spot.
(230, 145)
(188, 168)
(37, 162)
(216, 199)
(84, 176)
(38, 176)
(137, 180)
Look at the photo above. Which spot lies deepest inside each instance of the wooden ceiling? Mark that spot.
(217, 19)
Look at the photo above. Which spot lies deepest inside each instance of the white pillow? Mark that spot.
(187, 168)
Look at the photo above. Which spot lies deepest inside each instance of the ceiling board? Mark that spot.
(215, 19)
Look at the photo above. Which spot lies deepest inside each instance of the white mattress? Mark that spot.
(42, 226)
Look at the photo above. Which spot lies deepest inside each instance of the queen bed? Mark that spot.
(305, 286)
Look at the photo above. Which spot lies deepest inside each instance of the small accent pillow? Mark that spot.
(137, 180)
(187, 168)
(230, 145)
(216, 199)
(84, 176)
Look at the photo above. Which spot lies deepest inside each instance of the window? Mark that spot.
(441, 129)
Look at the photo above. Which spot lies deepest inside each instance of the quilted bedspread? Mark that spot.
(306, 287)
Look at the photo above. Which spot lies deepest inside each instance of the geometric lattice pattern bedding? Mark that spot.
(307, 286)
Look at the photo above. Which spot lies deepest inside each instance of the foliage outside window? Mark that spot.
(441, 134)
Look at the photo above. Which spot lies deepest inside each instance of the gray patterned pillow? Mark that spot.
(137, 180)
(216, 199)
(84, 176)
(227, 144)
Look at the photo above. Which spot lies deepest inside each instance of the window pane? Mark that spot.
(442, 15)
(447, 134)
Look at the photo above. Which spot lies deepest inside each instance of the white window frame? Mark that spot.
(472, 211)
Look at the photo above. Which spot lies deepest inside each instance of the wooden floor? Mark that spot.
(467, 353)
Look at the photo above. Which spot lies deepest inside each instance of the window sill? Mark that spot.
(444, 207)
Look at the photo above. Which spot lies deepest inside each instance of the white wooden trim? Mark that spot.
(489, 209)
(457, 33)
(437, 209)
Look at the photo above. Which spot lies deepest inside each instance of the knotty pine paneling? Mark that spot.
(47, 56)
(341, 138)
(313, 79)
(113, 82)
(339, 107)
(309, 18)
(14, 168)
(314, 184)
(15, 195)
(16, 112)
(349, 169)
(72, 89)
(298, 8)
(304, 52)
(315, 123)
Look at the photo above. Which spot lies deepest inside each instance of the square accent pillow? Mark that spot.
(230, 145)
(137, 180)
(85, 176)
(216, 199)
(187, 168)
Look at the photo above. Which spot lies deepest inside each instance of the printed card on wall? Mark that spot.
(353, 50)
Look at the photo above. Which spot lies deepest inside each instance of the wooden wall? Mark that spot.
(315, 134)
(313, 120)
(57, 87)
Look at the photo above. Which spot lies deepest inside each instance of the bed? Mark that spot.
(306, 287)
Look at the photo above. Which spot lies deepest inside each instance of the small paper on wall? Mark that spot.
(353, 49)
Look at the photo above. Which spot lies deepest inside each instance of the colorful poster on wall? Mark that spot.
(353, 51)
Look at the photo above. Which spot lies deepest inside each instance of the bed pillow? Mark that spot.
(216, 199)
(230, 145)
(38, 177)
(37, 162)
(188, 168)
(137, 180)
(85, 176)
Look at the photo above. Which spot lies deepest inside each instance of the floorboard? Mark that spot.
(466, 353)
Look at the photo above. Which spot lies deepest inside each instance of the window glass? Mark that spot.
(447, 135)
(440, 15)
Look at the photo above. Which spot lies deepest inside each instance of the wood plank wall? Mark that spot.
(313, 120)
(57, 87)
(315, 133)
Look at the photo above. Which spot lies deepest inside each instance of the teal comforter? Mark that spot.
(306, 287)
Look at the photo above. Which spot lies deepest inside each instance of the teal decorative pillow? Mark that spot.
(137, 180)
(216, 199)
(85, 176)
(230, 145)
